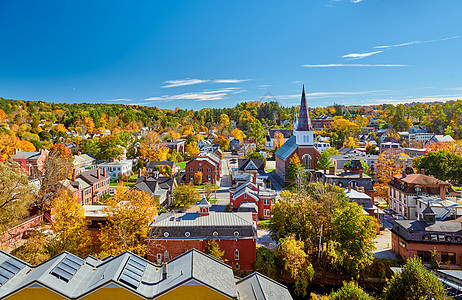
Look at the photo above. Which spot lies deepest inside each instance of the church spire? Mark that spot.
(304, 121)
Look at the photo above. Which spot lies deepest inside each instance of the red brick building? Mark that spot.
(32, 162)
(175, 233)
(207, 163)
(99, 182)
(300, 143)
(411, 238)
(253, 191)
(322, 122)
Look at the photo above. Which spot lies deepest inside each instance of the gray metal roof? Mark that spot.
(287, 148)
(192, 267)
(257, 286)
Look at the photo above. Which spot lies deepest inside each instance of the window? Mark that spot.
(266, 212)
(236, 254)
(166, 255)
(425, 256)
(191, 177)
(237, 266)
(448, 257)
(266, 202)
(191, 169)
(306, 161)
(209, 177)
(245, 196)
(209, 169)
(159, 258)
(200, 170)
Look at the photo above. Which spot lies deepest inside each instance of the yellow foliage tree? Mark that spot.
(192, 149)
(350, 142)
(151, 148)
(61, 127)
(278, 140)
(197, 178)
(238, 134)
(129, 215)
(2, 115)
(89, 124)
(10, 143)
(70, 227)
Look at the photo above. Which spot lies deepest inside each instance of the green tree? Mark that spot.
(352, 239)
(324, 161)
(184, 195)
(441, 164)
(414, 282)
(252, 154)
(351, 291)
(266, 262)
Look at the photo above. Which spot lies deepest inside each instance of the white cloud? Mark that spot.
(207, 95)
(356, 1)
(263, 85)
(415, 42)
(182, 82)
(352, 65)
(229, 80)
(120, 100)
(434, 98)
(360, 55)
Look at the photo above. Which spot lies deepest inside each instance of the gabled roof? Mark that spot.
(257, 286)
(151, 164)
(442, 138)
(248, 164)
(91, 176)
(91, 274)
(422, 179)
(27, 155)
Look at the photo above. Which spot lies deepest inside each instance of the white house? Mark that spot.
(114, 168)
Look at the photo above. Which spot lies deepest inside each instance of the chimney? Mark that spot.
(120, 158)
(360, 173)
(79, 153)
(345, 169)
(164, 271)
(145, 178)
(422, 171)
(104, 172)
(349, 186)
(139, 172)
(74, 174)
(98, 174)
(112, 159)
(442, 192)
(254, 178)
(332, 170)
(325, 170)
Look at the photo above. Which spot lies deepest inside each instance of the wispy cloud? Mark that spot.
(187, 81)
(207, 95)
(120, 100)
(360, 55)
(433, 98)
(182, 82)
(353, 65)
(356, 1)
(263, 85)
(229, 80)
(415, 42)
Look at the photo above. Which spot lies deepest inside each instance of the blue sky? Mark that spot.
(198, 54)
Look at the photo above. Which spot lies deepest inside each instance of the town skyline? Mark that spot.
(210, 54)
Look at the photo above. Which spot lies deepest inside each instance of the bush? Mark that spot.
(351, 291)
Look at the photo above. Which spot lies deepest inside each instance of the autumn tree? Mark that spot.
(69, 227)
(222, 141)
(192, 149)
(293, 170)
(278, 140)
(238, 134)
(16, 195)
(184, 195)
(56, 168)
(296, 263)
(197, 178)
(151, 148)
(129, 215)
(213, 248)
(414, 282)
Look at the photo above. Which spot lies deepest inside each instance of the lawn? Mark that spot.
(264, 224)
(270, 170)
(182, 165)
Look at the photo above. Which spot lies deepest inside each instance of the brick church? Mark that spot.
(300, 143)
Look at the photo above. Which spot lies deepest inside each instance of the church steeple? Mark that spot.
(304, 121)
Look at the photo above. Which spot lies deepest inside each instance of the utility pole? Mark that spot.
(320, 243)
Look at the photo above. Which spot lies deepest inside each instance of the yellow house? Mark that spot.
(193, 276)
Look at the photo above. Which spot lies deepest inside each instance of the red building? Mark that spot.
(32, 162)
(300, 143)
(411, 238)
(99, 182)
(207, 163)
(253, 191)
(175, 233)
(322, 122)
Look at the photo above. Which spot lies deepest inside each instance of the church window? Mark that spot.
(306, 160)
